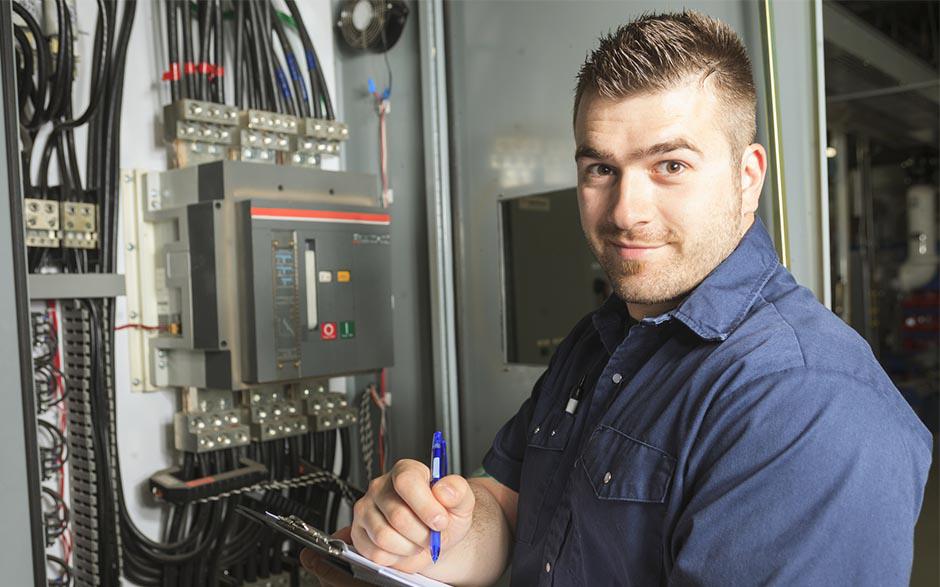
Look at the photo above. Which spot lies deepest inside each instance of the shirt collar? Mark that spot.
(718, 304)
(715, 308)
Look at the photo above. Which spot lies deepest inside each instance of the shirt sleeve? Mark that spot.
(504, 459)
(804, 477)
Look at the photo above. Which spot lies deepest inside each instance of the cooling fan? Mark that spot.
(375, 25)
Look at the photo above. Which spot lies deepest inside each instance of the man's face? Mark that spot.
(659, 190)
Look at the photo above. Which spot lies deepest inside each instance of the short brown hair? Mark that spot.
(657, 52)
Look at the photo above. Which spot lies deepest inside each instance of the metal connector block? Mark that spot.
(308, 145)
(265, 412)
(333, 419)
(270, 121)
(204, 133)
(80, 222)
(219, 439)
(264, 140)
(299, 159)
(42, 223)
(257, 155)
(279, 428)
(330, 130)
(189, 153)
(199, 111)
(213, 430)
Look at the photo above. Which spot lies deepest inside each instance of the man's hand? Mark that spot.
(392, 523)
(328, 574)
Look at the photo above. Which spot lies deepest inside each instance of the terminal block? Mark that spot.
(80, 224)
(328, 410)
(270, 121)
(273, 415)
(42, 223)
(329, 130)
(199, 132)
(210, 430)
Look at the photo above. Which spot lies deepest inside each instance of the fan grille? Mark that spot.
(365, 38)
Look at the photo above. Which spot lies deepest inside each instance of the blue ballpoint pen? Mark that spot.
(438, 470)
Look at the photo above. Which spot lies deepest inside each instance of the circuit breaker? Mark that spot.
(244, 275)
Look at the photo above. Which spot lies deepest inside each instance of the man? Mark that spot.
(727, 429)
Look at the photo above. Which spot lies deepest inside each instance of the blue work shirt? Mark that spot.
(747, 437)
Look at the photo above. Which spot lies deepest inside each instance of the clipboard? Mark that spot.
(338, 552)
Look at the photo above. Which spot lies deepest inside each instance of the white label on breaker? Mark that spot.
(310, 269)
(326, 276)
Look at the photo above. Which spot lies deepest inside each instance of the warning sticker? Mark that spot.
(328, 331)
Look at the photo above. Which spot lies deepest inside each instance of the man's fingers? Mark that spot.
(369, 549)
(401, 518)
(454, 493)
(344, 534)
(383, 535)
(411, 481)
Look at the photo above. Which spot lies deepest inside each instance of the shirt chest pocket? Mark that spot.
(548, 440)
(622, 468)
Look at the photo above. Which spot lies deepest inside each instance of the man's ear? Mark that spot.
(753, 171)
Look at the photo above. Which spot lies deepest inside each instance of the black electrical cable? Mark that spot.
(172, 44)
(113, 139)
(313, 64)
(186, 21)
(300, 98)
(237, 66)
(97, 89)
(257, 96)
(42, 69)
(219, 38)
(63, 74)
(266, 98)
(205, 21)
(262, 39)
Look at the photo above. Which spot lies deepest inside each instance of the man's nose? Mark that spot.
(632, 202)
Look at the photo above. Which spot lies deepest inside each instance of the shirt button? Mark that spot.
(548, 567)
(617, 378)
(606, 477)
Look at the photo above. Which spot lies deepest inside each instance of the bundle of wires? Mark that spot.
(203, 543)
(266, 73)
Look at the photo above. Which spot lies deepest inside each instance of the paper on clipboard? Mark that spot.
(361, 567)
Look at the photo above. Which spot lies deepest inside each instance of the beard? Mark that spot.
(691, 257)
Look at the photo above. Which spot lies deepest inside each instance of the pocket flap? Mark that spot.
(622, 468)
(553, 432)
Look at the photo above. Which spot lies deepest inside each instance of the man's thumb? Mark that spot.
(453, 492)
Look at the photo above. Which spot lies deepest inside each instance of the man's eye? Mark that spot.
(599, 169)
(670, 167)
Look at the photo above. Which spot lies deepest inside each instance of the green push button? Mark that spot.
(347, 329)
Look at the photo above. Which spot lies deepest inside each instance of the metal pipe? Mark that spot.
(440, 230)
(781, 232)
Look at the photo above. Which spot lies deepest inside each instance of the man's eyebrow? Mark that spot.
(586, 152)
(663, 148)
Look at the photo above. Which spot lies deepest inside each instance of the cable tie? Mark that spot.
(172, 74)
(205, 68)
(189, 68)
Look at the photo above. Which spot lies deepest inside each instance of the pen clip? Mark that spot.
(444, 468)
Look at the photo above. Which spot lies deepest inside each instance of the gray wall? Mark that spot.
(410, 380)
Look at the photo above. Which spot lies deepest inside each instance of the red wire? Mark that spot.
(138, 326)
(65, 537)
